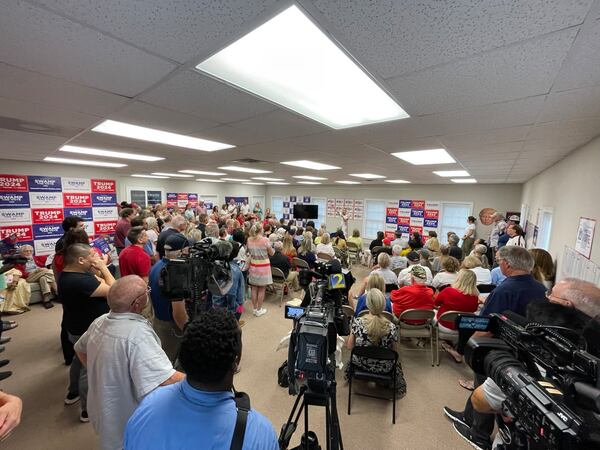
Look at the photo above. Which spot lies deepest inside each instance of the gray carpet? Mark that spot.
(40, 379)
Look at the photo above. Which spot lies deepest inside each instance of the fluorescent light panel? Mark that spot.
(141, 175)
(348, 182)
(254, 183)
(290, 61)
(235, 179)
(452, 173)
(107, 153)
(308, 177)
(308, 182)
(423, 157)
(305, 164)
(463, 180)
(210, 180)
(132, 131)
(81, 162)
(268, 179)
(244, 169)
(202, 172)
(176, 175)
(397, 181)
(368, 176)
(278, 182)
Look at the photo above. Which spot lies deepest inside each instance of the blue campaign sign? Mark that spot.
(391, 219)
(417, 213)
(431, 223)
(403, 228)
(47, 230)
(14, 199)
(84, 213)
(103, 199)
(42, 183)
(404, 203)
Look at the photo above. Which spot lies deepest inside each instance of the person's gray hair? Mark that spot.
(25, 247)
(151, 223)
(396, 250)
(212, 230)
(278, 246)
(453, 239)
(383, 260)
(481, 249)
(584, 295)
(425, 254)
(517, 257)
(179, 222)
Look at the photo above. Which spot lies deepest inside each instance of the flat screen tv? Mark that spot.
(306, 212)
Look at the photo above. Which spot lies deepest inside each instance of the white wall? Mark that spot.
(503, 197)
(572, 188)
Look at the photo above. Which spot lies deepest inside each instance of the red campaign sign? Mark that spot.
(23, 232)
(389, 234)
(13, 183)
(391, 211)
(403, 220)
(418, 204)
(431, 213)
(105, 227)
(47, 215)
(77, 199)
(182, 196)
(104, 186)
(416, 229)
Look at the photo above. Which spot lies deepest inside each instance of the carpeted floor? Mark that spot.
(40, 379)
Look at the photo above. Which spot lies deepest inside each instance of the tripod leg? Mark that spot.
(306, 426)
(289, 427)
(335, 421)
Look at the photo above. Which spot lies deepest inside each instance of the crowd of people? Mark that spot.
(123, 338)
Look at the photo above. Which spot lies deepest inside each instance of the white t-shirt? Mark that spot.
(443, 278)
(388, 276)
(518, 241)
(404, 276)
(326, 248)
(471, 228)
(245, 209)
(484, 276)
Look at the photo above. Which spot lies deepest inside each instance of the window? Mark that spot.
(145, 196)
(544, 229)
(374, 220)
(321, 202)
(277, 207)
(454, 218)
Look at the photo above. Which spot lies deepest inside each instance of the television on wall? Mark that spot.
(306, 212)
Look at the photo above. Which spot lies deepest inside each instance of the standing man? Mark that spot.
(124, 361)
(170, 315)
(69, 223)
(134, 260)
(245, 208)
(122, 228)
(498, 229)
(200, 411)
(84, 299)
(202, 221)
(178, 225)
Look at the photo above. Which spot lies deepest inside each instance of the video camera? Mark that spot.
(190, 277)
(550, 382)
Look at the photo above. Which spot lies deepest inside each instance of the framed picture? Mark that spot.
(585, 236)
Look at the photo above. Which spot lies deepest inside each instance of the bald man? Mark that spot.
(124, 359)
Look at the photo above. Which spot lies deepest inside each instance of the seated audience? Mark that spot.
(33, 271)
(405, 277)
(480, 251)
(17, 294)
(414, 296)
(383, 269)
(356, 239)
(438, 260)
(374, 330)
(461, 296)
(497, 276)
(377, 242)
(288, 248)
(325, 246)
(124, 360)
(373, 281)
(305, 250)
(200, 410)
(415, 241)
(473, 263)
(425, 258)
(432, 244)
(543, 269)
(397, 238)
(448, 274)
(282, 262)
(397, 261)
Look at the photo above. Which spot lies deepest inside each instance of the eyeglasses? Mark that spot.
(147, 294)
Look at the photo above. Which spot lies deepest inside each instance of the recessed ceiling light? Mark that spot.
(367, 176)
(82, 162)
(397, 181)
(176, 175)
(452, 173)
(310, 165)
(348, 182)
(202, 172)
(107, 153)
(132, 131)
(308, 182)
(209, 180)
(290, 61)
(235, 179)
(464, 180)
(278, 182)
(308, 177)
(254, 183)
(268, 179)
(141, 175)
(423, 157)
(244, 169)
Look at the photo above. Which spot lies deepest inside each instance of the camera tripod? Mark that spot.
(332, 422)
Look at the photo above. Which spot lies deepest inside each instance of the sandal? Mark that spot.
(456, 357)
(469, 385)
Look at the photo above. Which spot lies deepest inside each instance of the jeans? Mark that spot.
(78, 382)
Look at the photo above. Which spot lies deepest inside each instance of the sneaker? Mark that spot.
(254, 311)
(454, 416)
(71, 398)
(261, 312)
(465, 432)
(83, 417)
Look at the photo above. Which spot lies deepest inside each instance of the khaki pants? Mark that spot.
(44, 277)
(170, 337)
(292, 279)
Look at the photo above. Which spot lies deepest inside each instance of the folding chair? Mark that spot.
(442, 287)
(359, 373)
(422, 330)
(397, 270)
(353, 252)
(448, 316)
(324, 256)
(485, 288)
(299, 263)
(347, 310)
(280, 281)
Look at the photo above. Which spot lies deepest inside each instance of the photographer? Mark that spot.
(573, 304)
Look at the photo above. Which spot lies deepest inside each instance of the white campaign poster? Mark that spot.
(331, 207)
(339, 204)
(15, 215)
(585, 236)
(105, 213)
(76, 184)
(359, 208)
(349, 205)
(44, 246)
(46, 199)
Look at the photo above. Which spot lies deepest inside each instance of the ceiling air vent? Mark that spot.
(249, 161)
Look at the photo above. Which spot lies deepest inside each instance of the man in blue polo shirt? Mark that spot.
(200, 411)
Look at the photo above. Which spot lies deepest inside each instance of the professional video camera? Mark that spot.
(190, 277)
(311, 360)
(551, 383)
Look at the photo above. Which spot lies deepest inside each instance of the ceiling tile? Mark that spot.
(27, 146)
(509, 73)
(23, 110)
(476, 140)
(279, 124)
(573, 104)
(581, 130)
(31, 37)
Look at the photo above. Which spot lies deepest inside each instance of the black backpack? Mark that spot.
(282, 375)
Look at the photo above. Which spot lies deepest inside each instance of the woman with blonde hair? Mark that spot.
(373, 329)
(259, 275)
(288, 247)
(305, 250)
(543, 270)
(152, 232)
(324, 246)
(373, 281)
(473, 263)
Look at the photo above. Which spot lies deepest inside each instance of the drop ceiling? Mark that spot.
(507, 87)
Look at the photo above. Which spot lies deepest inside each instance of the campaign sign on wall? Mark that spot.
(20, 216)
(76, 184)
(47, 215)
(106, 186)
(105, 213)
(77, 199)
(105, 227)
(171, 199)
(44, 184)
(49, 230)
(104, 199)
(23, 232)
(193, 199)
(13, 183)
(412, 216)
(86, 214)
(14, 199)
(44, 246)
(46, 199)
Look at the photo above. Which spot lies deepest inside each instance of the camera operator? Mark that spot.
(170, 316)
(200, 411)
(573, 304)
